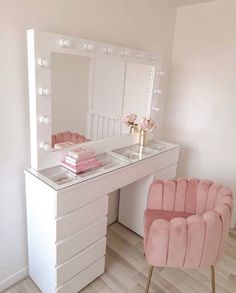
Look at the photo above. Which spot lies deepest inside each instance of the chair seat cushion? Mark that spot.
(152, 215)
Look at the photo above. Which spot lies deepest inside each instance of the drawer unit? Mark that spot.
(81, 218)
(80, 262)
(85, 277)
(79, 241)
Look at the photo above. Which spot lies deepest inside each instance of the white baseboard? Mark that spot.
(14, 279)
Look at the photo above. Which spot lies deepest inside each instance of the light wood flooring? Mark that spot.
(126, 270)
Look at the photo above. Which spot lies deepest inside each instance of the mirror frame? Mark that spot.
(40, 46)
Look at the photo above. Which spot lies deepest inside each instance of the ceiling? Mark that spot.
(189, 2)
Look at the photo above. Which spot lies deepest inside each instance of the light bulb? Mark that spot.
(44, 62)
(152, 58)
(124, 53)
(65, 43)
(45, 146)
(155, 108)
(139, 55)
(44, 91)
(160, 73)
(157, 91)
(44, 120)
(89, 47)
(108, 50)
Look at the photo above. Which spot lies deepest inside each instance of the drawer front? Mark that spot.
(75, 198)
(81, 261)
(80, 219)
(84, 278)
(81, 240)
(79, 195)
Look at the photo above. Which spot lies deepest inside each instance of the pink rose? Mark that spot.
(129, 120)
(147, 124)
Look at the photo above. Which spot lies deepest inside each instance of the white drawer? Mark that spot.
(75, 197)
(75, 244)
(81, 261)
(78, 220)
(84, 278)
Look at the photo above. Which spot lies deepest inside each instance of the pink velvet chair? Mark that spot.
(186, 224)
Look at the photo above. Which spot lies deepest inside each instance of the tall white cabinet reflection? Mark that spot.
(106, 105)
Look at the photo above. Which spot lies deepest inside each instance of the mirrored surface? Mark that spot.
(89, 97)
(70, 84)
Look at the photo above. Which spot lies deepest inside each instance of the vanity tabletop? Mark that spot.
(59, 177)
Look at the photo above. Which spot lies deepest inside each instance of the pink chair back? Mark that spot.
(67, 136)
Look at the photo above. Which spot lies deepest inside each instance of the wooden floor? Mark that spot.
(126, 270)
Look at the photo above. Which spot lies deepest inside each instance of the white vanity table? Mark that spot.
(67, 222)
(67, 213)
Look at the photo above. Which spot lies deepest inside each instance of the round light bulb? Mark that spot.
(155, 108)
(45, 146)
(65, 43)
(160, 73)
(124, 53)
(88, 47)
(44, 62)
(108, 50)
(44, 91)
(44, 120)
(139, 55)
(152, 58)
(157, 91)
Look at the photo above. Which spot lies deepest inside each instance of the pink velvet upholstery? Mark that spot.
(186, 223)
(67, 136)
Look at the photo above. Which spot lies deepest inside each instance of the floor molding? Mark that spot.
(14, 279)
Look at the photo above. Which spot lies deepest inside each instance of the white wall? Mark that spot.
(201, 109)
(144, 24)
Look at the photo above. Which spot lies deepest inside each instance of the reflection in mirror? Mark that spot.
(70, 84)
(138, 90)
(89, 97)
(107, 99)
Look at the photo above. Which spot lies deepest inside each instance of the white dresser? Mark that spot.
(67, 214)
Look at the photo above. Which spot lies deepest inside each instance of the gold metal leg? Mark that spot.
(149, 279)
(213, 282)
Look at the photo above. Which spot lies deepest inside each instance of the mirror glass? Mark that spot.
(89, 97)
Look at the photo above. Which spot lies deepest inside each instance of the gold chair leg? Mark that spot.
(213, 282)
(149, 279)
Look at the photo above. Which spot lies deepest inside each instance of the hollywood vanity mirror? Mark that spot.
(80, 89)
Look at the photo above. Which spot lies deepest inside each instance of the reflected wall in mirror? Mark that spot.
(70, 84)
(107, 98)
(91, 95)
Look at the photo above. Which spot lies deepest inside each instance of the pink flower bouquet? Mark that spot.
(147, 124)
